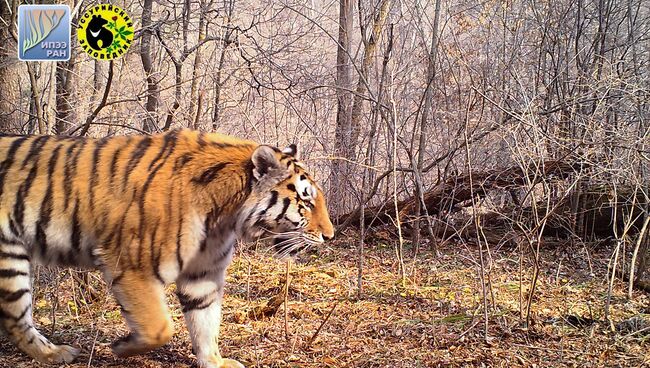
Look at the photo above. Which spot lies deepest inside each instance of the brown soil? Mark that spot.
(434, 318)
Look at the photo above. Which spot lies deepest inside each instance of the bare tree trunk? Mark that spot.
(216, 115)
(426, 108)
(36, 97)
(341, 168)
(150, 123)
(65, 114)
(370, 47)
(195, 107)
(9, 69)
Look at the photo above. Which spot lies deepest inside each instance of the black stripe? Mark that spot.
(262, 223)
(51, 166)
(201, 139)
(249, 177)
(113, 169)
(285, 207)
(273, 200)
(23, 192)
(223, 253)
(41, 238)
(70, 169)
(6, 315)
(75, 236)
(23, 313)
(165, 152)
(23, 257)
(182, 161)
(291, 187)
(12, 273)
(116, 280)
(116, 156)
(13, 227)
(120, 229)
(35, 149)
(169, 143)
(210, 174)
(94, 172)
(12, 296)
(135, 158)
(46, 207)
(189, 303)
(179, 235)
(197, 276)
(155, 256)
(8, 161)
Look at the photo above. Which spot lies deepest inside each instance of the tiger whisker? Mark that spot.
(283, 244)
(289, 247)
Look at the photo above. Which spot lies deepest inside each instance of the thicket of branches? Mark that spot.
(390, 101)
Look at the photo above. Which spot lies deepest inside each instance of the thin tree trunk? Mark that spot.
(368, 57)
(150, 123)
(426, 108)
(36, 97)
(195, 107)
(9, 69)
(341, 168)
(216, 115)
(65, 114)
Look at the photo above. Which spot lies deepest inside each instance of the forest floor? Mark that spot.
(434, 318)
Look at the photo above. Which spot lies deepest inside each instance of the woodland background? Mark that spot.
(487, 164)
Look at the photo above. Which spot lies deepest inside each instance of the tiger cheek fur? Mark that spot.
(147, 211)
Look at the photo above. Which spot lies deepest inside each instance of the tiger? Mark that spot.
(147, 211)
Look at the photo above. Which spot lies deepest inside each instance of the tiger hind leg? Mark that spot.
(145, 309)
(16, 309)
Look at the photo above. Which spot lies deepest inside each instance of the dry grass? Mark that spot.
(434, 320)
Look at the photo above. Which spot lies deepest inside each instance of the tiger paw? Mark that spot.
(230, 363)
(220, 363)
(62, 354)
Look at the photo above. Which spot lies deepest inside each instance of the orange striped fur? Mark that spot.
(147, 211)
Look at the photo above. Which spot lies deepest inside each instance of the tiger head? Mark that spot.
(285, 203)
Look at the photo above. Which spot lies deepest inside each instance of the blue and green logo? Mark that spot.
(43, 32)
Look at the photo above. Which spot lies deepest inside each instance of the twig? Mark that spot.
(315, 335)
(286, 301)
(635, 254)
(102, 103)
(92, 349)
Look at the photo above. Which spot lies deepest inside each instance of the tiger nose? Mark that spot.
(326, 237)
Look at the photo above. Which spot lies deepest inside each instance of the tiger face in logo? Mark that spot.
(147, 211)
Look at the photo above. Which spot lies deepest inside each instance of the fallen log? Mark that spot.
(447, 195)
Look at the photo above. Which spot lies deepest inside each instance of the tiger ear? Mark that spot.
(264, 160)
(292, 150)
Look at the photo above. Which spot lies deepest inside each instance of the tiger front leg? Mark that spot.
(142, 299)
(201, 296)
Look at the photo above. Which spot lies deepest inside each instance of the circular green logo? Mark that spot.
(105, 32)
